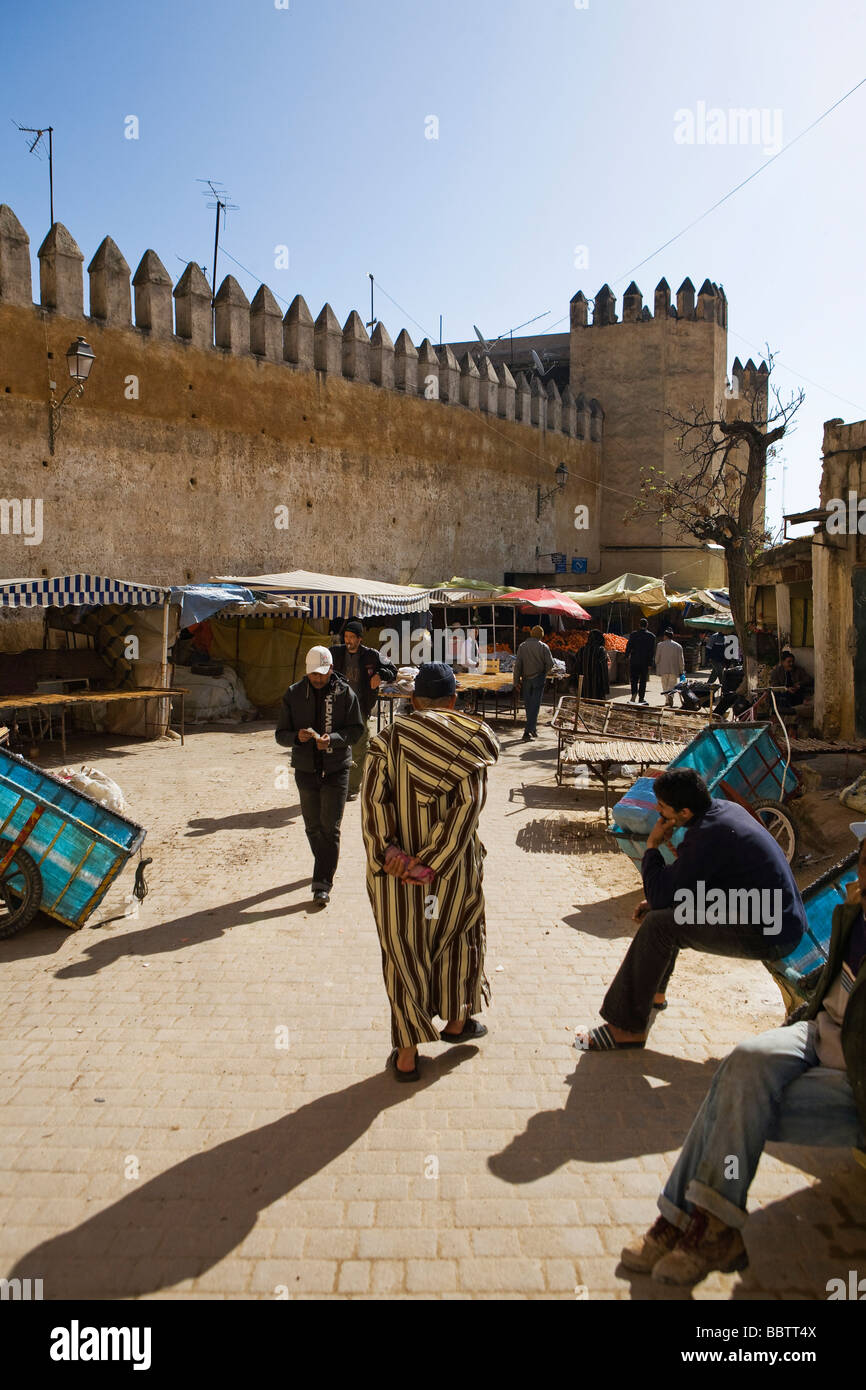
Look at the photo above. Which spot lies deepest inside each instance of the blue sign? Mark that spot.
(559, 562)
(578, 566)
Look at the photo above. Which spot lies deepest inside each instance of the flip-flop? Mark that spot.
(601, 1040)
(413, 1075)
(471, 1029)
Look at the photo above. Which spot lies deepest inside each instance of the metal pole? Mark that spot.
(216, 242)
(51, 169)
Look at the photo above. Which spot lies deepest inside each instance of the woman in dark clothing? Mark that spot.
(592, 665)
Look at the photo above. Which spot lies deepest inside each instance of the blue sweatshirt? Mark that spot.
(727, 848)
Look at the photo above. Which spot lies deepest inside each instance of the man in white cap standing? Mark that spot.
(320, 719)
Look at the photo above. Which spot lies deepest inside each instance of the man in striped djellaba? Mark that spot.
(424, 786)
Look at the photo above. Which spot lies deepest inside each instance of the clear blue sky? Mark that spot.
(556, 130)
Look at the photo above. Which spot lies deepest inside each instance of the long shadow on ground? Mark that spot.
(192, 1216)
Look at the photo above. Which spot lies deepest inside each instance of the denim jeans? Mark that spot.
(532, 690)
(770, 1088)
(650, 959)
(323, 800)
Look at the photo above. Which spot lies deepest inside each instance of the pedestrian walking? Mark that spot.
(640, 649)
(532, 664)
(670, 663)
(320, 720)
(364, 671)
(423, 791)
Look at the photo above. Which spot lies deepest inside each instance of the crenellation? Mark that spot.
(406, 364)
(61, 263)
(686, 300)
(579, 310)
(632, 303)
(604, 312)
(596, 423)
(153, 299)
(266, 326)
(584, 416)
(356, 349)
(382, 358)
(328, 343)
(231, 317)
(193, 311)
(299, 333)
(538, 403)
(428, 371)
(569, 413)
(554, 408)
(470, 383)
(449, 376)
(522, 399)
(706, 306)
(110, 295)
(662, 299)
(507, 393)
(15, 286)
(488, 387)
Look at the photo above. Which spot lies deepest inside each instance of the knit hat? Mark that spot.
(356, 627)
(434, 681)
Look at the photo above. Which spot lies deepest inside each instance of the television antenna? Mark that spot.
(36, 147)
(509, 333)
(222, 205)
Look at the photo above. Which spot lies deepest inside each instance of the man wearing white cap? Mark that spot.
(804, 1083)
(320, 719)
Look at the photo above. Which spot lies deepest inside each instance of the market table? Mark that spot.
(600, 755)
(59, 703)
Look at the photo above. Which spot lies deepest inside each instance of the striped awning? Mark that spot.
(336, 596)
(78, 590)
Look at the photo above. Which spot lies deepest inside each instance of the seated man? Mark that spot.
(804, 1083)
(797, 682)
(730, 892)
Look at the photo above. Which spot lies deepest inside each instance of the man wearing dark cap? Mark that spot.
(640, 649)
(424, 787)
(364, 670)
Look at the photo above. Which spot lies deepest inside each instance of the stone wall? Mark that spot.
(239, 440)
(668, 359)
(840, 648)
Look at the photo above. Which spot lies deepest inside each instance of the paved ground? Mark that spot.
(194, 1103)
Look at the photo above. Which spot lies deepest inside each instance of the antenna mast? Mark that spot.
(222, 205)
(34, 149)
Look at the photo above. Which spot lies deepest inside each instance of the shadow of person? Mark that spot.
(179, 1224)
(612, 1112)
(609, 918)
(181, 932)
(270, 818)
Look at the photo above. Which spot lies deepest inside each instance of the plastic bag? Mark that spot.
(95, 784)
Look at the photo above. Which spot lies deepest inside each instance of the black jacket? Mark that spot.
(370, 664)
(640, 647)
(304, 707)
(854, 1022)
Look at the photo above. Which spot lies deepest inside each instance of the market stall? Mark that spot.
(104, 655)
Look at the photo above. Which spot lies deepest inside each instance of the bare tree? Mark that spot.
(714, 496)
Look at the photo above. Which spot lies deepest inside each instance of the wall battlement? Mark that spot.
(708, 305)
(233, 324)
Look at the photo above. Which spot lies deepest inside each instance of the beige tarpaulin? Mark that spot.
(267, 655)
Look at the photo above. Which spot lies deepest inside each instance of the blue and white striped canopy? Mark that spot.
(78, 590)
(337, 596)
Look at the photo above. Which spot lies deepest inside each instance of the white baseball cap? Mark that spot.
(858, 829)
(319, 661)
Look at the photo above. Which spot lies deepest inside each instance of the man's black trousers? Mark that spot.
(638, 676)
(323, 800)
(650, 959)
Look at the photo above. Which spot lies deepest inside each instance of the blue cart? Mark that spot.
(59, 849)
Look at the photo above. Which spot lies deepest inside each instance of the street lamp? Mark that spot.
(561, 476)
(80, 357)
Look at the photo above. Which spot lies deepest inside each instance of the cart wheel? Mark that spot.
(776, 818)
(20, 891)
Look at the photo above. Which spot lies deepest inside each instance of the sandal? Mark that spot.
(601, 1040)
(413, 1075)
(472, 1028)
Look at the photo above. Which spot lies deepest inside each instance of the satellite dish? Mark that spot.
(537, 363)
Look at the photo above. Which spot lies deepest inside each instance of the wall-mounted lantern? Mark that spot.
(561, 476)
(80, 357)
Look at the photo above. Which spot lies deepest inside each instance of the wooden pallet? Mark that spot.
(624, 721)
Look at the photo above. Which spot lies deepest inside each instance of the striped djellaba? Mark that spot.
(424, 786)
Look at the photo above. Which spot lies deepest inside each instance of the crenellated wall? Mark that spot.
(231, 438)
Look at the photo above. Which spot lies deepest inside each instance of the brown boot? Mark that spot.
(705, 1245)
(644, 1254)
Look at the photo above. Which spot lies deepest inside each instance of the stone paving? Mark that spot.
(194, 1103)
